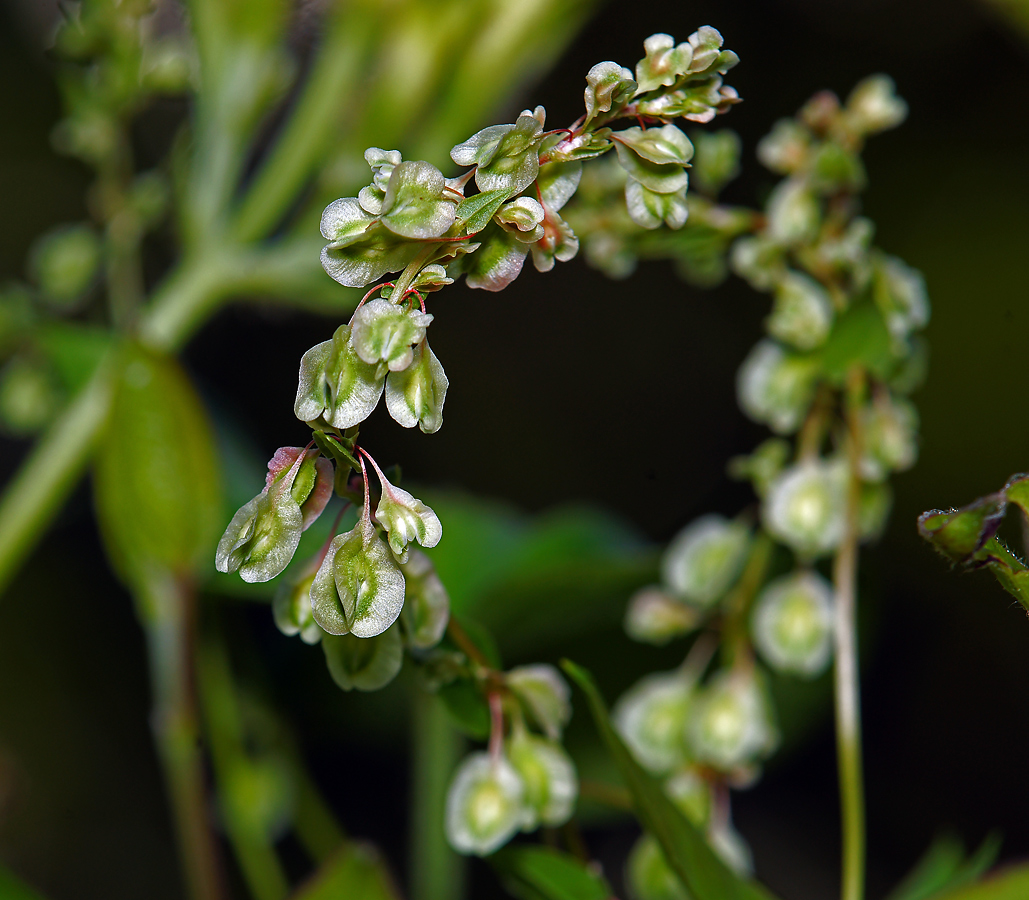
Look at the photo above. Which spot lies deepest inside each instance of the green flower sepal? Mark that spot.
(263, 535)
(336, 386)
(359, 588)
(416, 395)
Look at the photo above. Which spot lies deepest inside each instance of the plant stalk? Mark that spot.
(437, 872)
(167, 609)
(845, 673)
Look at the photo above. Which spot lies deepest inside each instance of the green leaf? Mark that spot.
(541, 873)
(945, 867)
(75, 350)
(476, 211)
(156, 480)
(12, 888)
(467, 708)
(1009, 884)
(687, 851)
(356, 870)
(859, 336)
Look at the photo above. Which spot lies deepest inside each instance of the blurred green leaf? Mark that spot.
(859, 336)
(944, 866)
(12, 888)
(156, 473)
(541, 873)
(355, 871)
(467, 708)
(74, 350)
(1010, 884)
(686, 849)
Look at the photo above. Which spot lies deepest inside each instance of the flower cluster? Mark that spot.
(525, 779)
(840, 356)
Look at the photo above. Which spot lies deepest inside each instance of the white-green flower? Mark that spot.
(655, 618)
(890, 437)
(803, 312)
(651, 717)
(705, 558)
(416, 395)
(386, 333)
(805, 506)
(551, 783)
(359, 588)
(426, 609)
(792, 623)
(544, 695)
(485, 805)
(731, 725)
(776, 387)
(405, 517)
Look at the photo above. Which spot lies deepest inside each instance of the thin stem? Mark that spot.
(496, 729)
(847, 691)
(437, 872)
(460, 637)
(736, 642)
(255, 852)
(52, 469)
(167, 609)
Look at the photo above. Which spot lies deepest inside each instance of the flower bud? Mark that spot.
(551, 784)
(263, 535)
(663, 62)
(792, 623)
(485, 805)
(655, 618)
(64, 263)
(759, 262)
(416, 395)
(805, 506)
(899, 292)
(651, 717)
(776, 387)
(785, 148)
(426, 609)
(524, 216)
(30, 395)
(793, 213)
(889, 438)
(803, 312)
(763, 465)
(705, 558)
(544, 695)
(731, 724)
(384, 332)
(405, 518)
(608, 85)
(364, 664)
(874, 106)
(359, 587)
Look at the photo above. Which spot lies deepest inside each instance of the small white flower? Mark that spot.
(485, 804)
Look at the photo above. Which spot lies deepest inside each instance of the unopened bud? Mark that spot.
(655, 618)
(485, 804)
(551, 784)
(705, 558)
(731, 725)
(651, 717)
(805, 506)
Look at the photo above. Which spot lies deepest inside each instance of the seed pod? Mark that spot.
(405, 518)
(426, 609)
(365, 664)
(705, 558)
(655, 618)
(416, 395)
(291, 608)
(792, 623)
(776, 387)
(485, 805)
(386, 333)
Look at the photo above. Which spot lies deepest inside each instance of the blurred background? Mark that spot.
(539, 419)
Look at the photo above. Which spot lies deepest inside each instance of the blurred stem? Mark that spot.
(321, 110)
(315, 825)
(847, 690)
(124, 275)
(254, 851)
(437, 872)
(167, 610)
(52, 469)
(736, 642)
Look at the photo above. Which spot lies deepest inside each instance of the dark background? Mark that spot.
(560, 393)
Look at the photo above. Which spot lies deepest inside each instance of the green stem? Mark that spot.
(315, 825)
(51, 470)
(253, 847)
(847, 691)
(736, 630)
(437, 873)
(167, 610)
(323, 108)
